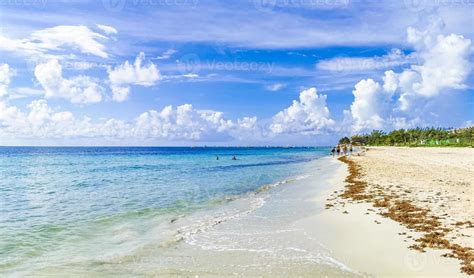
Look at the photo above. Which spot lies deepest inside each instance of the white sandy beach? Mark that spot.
(373, 245)
(440, 179)
(436, 179)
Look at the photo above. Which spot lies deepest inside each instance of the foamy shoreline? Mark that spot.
(431, 181)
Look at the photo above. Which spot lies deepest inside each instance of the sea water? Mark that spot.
(126, 210)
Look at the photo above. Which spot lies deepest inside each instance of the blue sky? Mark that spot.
(263, 72)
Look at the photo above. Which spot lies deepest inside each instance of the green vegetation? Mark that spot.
(345, 140)
(425, 137)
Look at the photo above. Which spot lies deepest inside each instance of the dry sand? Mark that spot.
(437, 183)
(440, 179)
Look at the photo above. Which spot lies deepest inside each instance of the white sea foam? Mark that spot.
(253, 226)
(187, 232)
(255, 201)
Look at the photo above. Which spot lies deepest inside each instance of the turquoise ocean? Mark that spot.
(67, 205)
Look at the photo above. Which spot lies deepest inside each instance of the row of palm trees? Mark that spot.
(430, 136)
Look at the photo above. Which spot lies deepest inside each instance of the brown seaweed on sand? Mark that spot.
(433, 233)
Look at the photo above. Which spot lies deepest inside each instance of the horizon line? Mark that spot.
(156, 146)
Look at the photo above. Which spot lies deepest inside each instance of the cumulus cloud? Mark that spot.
(370, 105)
(309, 115)
(79, 89)
(390, 81)
(135, 74)
(119, 94)
(443, 66)
(41, 121)
(124, 75)
(5, 75)
(446, 63)
(8, 115)
(186, 122)
(183, 122)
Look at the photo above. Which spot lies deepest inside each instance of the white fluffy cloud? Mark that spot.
(41, 121)
(46, 48)
(390, 81)
(445, 63)
(8, 114)
(79, 89)
(120, 94)
(444, 66)
(5, 75)
(370, 105)
(185, 122)
(40, 42)
(124, 75)
(309, 115)
(181, 123)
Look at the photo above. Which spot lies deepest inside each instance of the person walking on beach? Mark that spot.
(344, 149)
(338, 150)
(350, 148)
(333, 151)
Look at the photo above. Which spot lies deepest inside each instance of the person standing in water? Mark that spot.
(234, 158)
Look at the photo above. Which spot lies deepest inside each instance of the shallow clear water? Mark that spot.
(74, 203)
